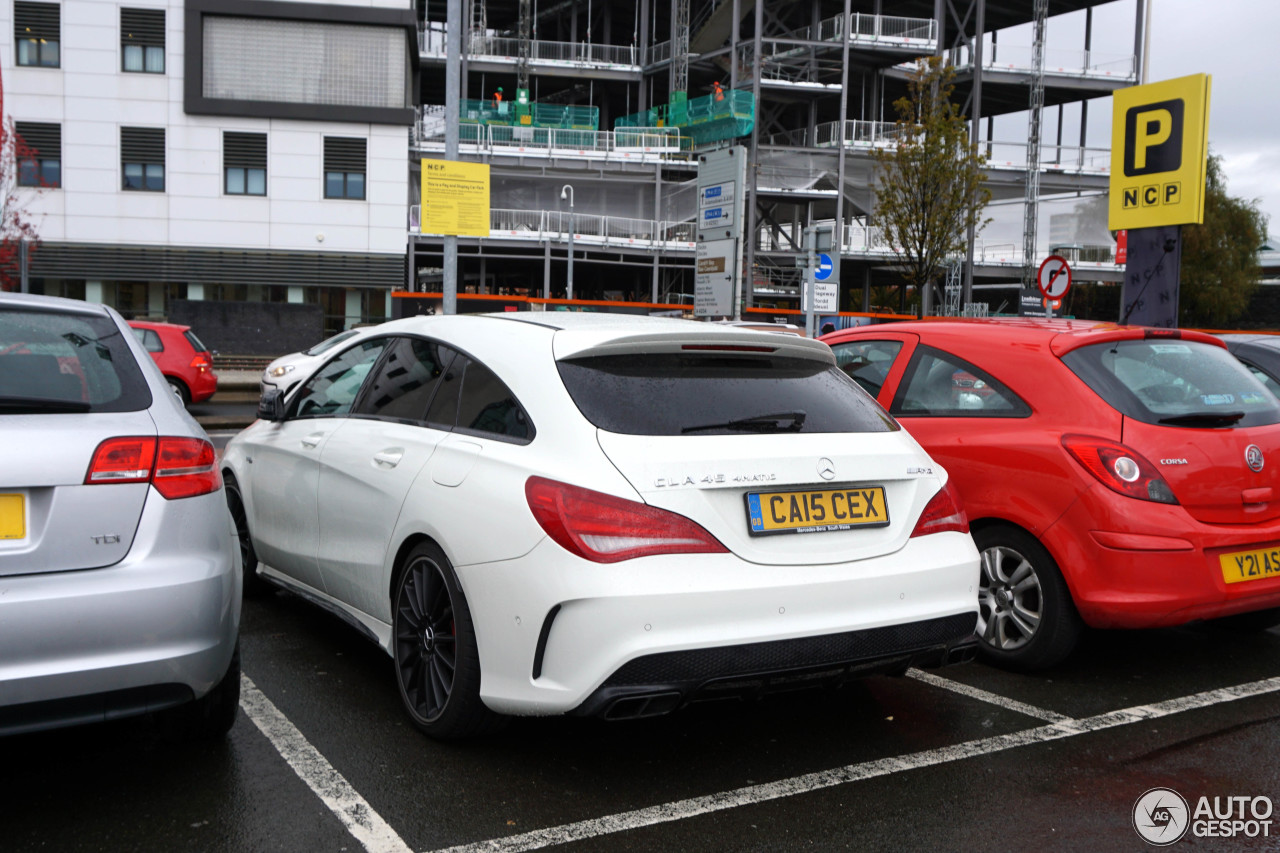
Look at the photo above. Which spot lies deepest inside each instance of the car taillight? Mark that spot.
(606, 529)
(942, 513)
(1119, 468)
(201, 361)
(177, 467)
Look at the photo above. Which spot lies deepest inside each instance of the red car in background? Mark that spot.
(183, 359)
(1114, 476)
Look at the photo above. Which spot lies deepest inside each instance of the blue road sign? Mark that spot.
(825, 267)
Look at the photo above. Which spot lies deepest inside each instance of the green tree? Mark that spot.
(1219, 271)
(930, 186)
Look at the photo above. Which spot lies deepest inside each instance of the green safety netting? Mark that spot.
(706, 119)
(507, 113)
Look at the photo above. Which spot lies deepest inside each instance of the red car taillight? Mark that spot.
(1119, 468)
(942, 513)
(202, 362)
(606, 529)
(177, 467)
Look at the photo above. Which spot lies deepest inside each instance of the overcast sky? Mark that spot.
(1234, 41)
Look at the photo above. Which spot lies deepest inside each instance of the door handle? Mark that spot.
(388, 458)
(313, 439)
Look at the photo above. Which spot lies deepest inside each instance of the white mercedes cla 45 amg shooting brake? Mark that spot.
(546, 513)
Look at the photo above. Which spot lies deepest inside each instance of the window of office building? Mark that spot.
(142, 158)
(37, 33)
(142, 40)
(40, 163)
(244, 162)
(344, 167)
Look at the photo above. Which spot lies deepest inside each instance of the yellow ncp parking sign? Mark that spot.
(1159, 140)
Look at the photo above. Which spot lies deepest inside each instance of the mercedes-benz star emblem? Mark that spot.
(1253, 456)
(827, 469)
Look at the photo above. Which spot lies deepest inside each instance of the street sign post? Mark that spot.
(820, 288)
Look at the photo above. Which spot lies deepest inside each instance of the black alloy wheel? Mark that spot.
(437, 664)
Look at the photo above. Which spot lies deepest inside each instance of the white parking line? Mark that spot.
(985, 696)
(328, 784)
(683, 809)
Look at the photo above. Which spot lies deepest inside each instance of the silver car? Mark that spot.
(120, 574)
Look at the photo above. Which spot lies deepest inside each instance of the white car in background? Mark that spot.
(548, 513)
(285, 371)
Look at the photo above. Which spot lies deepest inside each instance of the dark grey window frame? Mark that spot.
(145, 159)
(240, 150)
(195, 103)
(41, 37)
(142, 32)
(45, 141)
(339, 162)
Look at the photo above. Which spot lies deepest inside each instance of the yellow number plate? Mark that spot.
(817, 511)
(13, 517)
(1245, 566)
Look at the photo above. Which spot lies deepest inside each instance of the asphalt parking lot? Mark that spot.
(966, 758)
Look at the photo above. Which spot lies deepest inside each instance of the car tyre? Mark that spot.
(254, 585)
(179, 388)
(212, 715)
(1258, 620)
(434, 645)
(1026, 618)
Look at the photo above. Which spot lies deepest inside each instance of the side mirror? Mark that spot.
(271, 406)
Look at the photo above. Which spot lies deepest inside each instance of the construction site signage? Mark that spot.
(1159, 143)
(455, 198)
(714, 279)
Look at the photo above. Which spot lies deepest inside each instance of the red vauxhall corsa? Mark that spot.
(1114, 476)
(183, 359)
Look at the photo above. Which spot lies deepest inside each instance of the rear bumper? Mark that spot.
(203, 386)
(660, 683)
(153, 630)
(1133, 564)
(558, 634)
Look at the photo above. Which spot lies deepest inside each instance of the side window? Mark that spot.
(867, 362)
(1264, 378)
(333, 389)
(939, 384)
(443, 413)
(149, 339)
(408, 377)
(488, 407)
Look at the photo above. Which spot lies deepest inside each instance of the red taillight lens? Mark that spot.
(186, 467)
(1119, 468)
(201, 361)
(123, 460)
(177, 467)
(605, 529)
(942, 513)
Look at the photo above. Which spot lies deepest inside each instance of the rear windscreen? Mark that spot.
(1175, 383)
(56, 362)
(718, 394)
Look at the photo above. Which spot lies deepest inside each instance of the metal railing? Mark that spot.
(870, 30)
(623, 144)
(592, 229)
(660, 52)
(485, 45)
(1087, 63)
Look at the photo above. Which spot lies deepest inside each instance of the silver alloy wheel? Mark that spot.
(1010, 603)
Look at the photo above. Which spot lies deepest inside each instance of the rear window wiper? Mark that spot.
(758, 423)
(1205, 419)
(40, 405)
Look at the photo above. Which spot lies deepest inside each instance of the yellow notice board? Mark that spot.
(1159, 141)
(455, 198)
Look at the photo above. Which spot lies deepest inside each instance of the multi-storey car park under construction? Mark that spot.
(618, 99)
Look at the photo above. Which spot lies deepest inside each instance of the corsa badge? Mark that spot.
(1253, 458)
